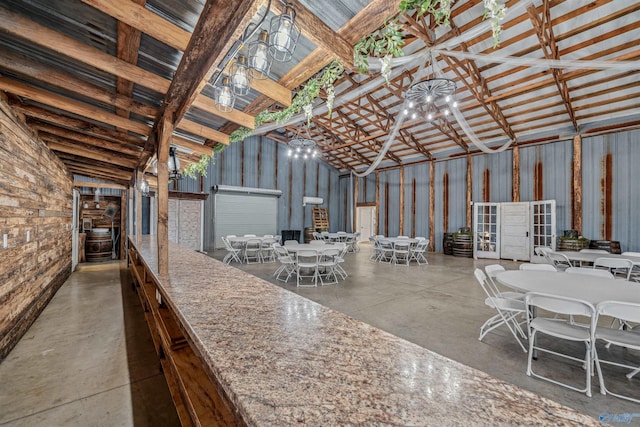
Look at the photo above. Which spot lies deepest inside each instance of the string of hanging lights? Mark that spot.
(277, 44)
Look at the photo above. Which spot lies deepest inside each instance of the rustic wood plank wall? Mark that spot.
(36, 197)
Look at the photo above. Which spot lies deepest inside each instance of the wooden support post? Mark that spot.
(377, 202)
(413, 208)
(355, 202)
(130, 213)
(432, 205)
(576, 222)
(469, 189)
(401, 201)
(123, 224)
(138, 208)
(515, 176)
(165, 129)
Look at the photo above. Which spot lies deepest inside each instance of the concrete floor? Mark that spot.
(89, 361)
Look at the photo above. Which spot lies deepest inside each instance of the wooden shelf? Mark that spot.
(196, 397)
(320, 219)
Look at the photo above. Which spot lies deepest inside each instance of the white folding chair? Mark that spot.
(543, 267)
(561, 329)
(507, 311)
(287, 263)
(627, 338)
(635, 271)
(491, 271)
(291, 242)
(266, 249)
(350, 240)
(401, 252)
(386, 250)
(588, 271)
(307, 266)
(542, 250)
(327, 265)
(418, 252)
(375, 250)
(340, 260)
(615, 266)
(253, 251)
(232, 253)
(560, 261)
(356, 239)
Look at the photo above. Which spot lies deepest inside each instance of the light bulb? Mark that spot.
(240, 80)
(455, 104)
(225, 97)
(297, 149)
(315, 153)
(283, 39)
(308, 150)
(295, 156)
(306, 157)
(413, 116)
(446, 112)
(429, 116)
(406, 112)
(411, 104)
(290, 152)
(448, 98)
(429, 98)
(259, 60)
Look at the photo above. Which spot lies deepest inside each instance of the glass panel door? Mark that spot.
(543, 224)
(486, 218)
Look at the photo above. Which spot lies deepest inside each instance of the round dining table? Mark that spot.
(592, 289)
(591, 257)
(313, 247)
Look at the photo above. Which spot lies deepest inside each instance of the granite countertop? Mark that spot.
(285, 360)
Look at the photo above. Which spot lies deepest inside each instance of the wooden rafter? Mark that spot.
(544, 31)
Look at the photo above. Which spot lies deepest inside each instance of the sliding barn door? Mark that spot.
(486, 217)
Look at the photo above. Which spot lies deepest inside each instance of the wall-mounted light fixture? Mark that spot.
(174, 164)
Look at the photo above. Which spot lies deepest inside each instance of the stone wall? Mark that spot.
(36, 192)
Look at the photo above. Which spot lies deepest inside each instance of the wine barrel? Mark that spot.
(565, 244)
(308, 234)
(98, 245)
(462, 245)
(610, 246)
(447, 243)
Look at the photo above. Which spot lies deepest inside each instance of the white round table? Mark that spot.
(588, 288)
(591, 257)
(310, 247)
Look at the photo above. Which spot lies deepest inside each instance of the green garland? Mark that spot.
(388, 41)
(199, 167)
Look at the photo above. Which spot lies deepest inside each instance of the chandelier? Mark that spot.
(277, 44)
(430, 97)
(301, 147)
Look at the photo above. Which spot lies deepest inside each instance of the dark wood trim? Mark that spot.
(366, 204)
(401, 185)
(386, 208)
(188, 195)
(377, 202)
(413, 208)
(469, 190)
(515, 175)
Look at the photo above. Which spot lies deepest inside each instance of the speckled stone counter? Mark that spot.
(284, 360)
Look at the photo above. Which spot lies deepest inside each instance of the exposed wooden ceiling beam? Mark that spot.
(98, 185)
(67, 146)
(72, 106)
(76, 124)
(221, 21)
(85, 139)
(144, 20)
(544, 31)
(18, 25)
(319, 33)
(128, 46)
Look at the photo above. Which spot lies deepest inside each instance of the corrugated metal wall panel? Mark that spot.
(408, 202)
(343, 204)
(500, 166)
(456, 171)
(260, 167)
(333, 196)
(421, 174)
(556, 179)
(625, 188)
(90, 190)
(390, 215)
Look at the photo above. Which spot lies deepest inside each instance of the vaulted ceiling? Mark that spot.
(95, 78)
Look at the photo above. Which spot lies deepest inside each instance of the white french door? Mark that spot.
(543, 224)
(486, 217)
(514, 231)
